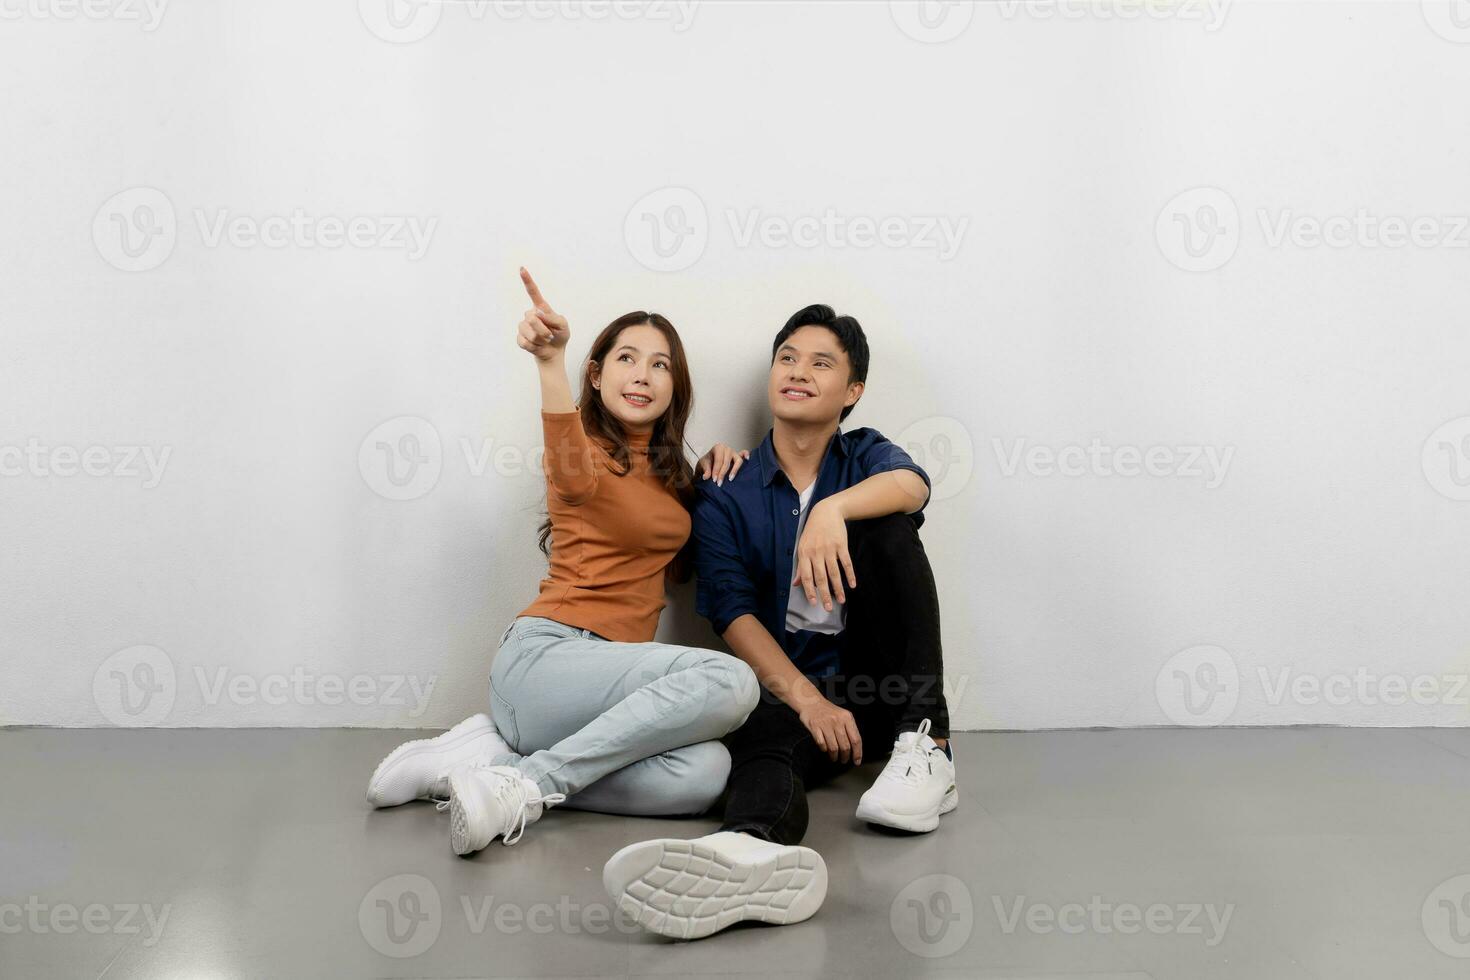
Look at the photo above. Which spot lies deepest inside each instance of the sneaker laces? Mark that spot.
(515, 798)
(909, 757)
(442, 805)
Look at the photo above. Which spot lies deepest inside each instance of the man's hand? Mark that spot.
(821, 555)
(542, 331)
(834, 729)
(721, 461)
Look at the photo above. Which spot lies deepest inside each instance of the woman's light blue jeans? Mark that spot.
(627, 728)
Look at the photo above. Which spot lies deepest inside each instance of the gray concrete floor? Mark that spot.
(1335, 853)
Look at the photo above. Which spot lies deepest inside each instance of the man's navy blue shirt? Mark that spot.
(745, 538)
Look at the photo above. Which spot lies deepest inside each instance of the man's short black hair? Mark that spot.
(850, 338)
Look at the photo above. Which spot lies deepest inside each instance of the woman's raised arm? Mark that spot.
(543, 332)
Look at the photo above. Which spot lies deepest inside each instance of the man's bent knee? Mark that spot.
(890, 534)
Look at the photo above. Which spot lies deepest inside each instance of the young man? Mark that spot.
(811, 568)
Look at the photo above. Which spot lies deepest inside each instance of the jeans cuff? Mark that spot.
(753, 829)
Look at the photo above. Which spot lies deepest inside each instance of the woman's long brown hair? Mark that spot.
(666, 443)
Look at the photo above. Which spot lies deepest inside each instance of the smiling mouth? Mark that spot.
(796, 394)
(640, 401)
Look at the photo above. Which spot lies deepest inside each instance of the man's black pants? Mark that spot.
(890, 678)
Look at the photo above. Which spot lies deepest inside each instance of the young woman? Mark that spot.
(584, 708)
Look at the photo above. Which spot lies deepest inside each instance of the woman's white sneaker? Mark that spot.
(914, 788)
(689, 889)
(419, 770)
(486, 802)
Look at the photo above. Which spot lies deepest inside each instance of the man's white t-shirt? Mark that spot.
(803, 615)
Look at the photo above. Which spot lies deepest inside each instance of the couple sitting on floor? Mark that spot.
(809, 566)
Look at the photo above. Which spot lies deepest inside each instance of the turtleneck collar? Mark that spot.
(638, 440)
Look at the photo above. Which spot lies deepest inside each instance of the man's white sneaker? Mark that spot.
(689, 889)
(486, 802)
(419, 770)
(914, 788)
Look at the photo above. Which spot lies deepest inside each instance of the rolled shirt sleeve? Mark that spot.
(879, 455)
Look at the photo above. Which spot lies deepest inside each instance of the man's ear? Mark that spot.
(854, 392)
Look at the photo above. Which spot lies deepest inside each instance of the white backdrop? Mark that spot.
(1171, 298)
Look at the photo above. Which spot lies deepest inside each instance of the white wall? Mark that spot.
(267, 564)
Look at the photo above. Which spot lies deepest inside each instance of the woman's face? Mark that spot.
(636, 380)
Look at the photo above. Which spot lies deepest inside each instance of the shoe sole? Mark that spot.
(462, 813)
(409, 749)
(920, 823)
(688, 890)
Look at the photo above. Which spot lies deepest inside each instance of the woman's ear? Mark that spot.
(594, 374)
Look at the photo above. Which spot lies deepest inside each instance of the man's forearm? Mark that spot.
(890, 492)
(754, 644)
